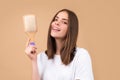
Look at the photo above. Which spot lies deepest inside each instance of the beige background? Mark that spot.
(99, 33)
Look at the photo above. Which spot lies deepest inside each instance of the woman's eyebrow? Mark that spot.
(62, 18)
(57, 17)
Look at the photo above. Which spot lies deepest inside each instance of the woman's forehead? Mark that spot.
(62, 14)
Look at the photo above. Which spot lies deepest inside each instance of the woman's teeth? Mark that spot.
(56, 29)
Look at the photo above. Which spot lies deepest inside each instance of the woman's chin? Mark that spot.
(54, 36)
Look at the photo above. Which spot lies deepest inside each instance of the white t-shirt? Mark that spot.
(53, 69)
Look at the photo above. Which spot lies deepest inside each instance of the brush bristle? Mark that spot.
(29, 23)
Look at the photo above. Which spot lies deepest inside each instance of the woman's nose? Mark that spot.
(57, 22)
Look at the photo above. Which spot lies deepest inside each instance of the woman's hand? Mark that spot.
(31, 51)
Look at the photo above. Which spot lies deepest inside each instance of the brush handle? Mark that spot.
(31, 36)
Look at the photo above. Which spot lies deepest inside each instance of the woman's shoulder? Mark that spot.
(42, 55)
(82, 53)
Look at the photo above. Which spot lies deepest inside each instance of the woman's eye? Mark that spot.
(56, 20)
(64, 22)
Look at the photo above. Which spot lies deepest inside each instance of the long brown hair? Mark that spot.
(67, 52)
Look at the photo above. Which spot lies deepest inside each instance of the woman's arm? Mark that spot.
(35, 73)
(31, 53)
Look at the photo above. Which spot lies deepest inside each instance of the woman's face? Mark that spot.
(59, 26)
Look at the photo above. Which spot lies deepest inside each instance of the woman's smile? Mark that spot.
(55, 29)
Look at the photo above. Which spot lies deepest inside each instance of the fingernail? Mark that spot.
(32, 43)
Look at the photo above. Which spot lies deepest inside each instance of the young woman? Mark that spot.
(62, 60)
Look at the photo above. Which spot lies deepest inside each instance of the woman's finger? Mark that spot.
(34, 49)
(33, 52)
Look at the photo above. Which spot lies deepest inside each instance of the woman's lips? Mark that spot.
(55, 29)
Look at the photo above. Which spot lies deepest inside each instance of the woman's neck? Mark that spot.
(59, 45)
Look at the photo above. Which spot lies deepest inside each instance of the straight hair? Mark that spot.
(68, 51)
